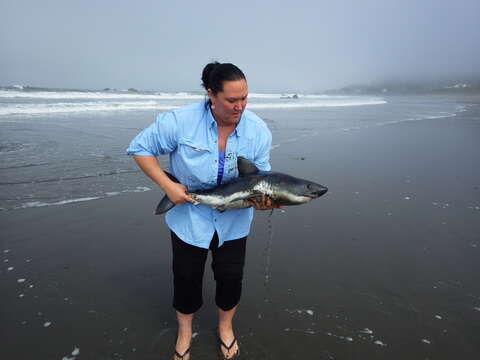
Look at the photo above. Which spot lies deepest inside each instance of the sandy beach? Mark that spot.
(385, 266)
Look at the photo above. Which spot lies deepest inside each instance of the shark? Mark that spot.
(283, 190)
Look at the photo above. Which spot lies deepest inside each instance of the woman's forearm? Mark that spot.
(177, 193)
(150, 166)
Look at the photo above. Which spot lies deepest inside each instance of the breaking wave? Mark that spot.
(57, 95)
(20, 100)
(69, 107)
(327, 102)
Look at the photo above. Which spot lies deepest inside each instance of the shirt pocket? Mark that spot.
(195, 163)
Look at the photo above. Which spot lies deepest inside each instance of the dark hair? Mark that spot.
(214, 74)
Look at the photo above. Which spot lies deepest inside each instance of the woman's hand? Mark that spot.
(177, 193)
(263, 203)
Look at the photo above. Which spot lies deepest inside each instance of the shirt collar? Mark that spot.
(210, 119)
(239, 129)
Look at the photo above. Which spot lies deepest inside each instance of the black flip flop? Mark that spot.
(236, 355)
(180, 357)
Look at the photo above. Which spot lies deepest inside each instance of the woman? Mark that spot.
(203, 141)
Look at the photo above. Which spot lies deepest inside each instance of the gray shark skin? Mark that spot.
(283, 189)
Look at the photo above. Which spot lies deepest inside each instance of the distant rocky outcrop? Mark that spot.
(294, 96)
(409, 88)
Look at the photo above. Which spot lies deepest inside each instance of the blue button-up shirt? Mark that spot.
(189, 135)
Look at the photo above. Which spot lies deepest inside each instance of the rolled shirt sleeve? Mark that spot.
(158, 139)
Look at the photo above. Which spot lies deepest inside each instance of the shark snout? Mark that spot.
(317, 190)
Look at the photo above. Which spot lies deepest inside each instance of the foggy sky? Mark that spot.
(280, 45)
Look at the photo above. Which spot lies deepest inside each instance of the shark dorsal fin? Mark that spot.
(246, 167)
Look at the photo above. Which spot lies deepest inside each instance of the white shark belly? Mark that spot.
(233, 201)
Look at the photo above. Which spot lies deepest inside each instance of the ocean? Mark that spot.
(61, 146)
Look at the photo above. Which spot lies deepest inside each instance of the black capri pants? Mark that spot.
(188, 268)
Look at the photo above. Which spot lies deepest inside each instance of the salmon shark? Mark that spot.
(283, 189)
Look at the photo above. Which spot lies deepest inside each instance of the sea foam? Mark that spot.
(42, 104)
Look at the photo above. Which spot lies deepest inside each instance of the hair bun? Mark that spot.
(207, 71)
(215, 74)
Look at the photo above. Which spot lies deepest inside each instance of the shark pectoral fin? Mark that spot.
(252, 197)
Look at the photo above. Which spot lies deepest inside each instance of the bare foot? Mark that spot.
(229, 347)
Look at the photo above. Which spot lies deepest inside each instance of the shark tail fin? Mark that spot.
(163, 206)
(166, 204)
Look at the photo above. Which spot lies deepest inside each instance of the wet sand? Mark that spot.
(385, 266)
